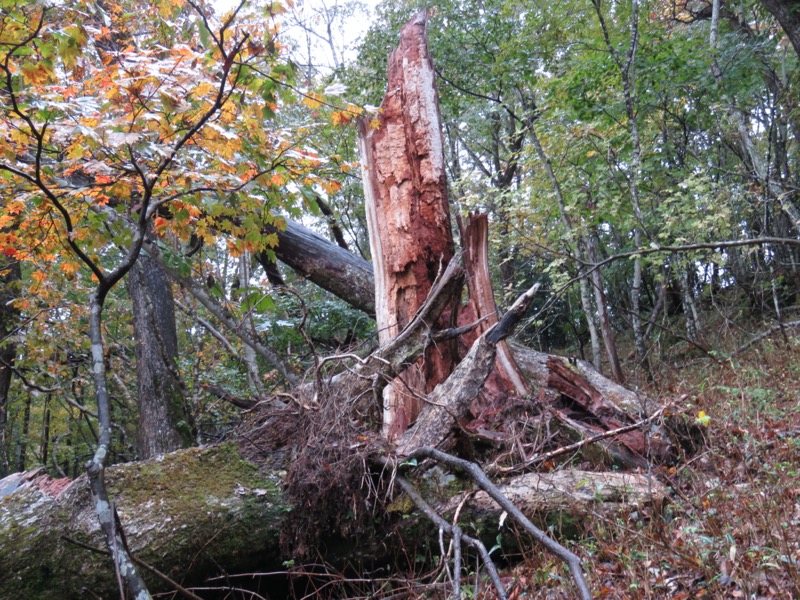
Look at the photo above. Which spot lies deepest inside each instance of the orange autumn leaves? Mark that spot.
(106, 111)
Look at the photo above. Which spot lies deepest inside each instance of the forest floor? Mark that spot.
(732, 526)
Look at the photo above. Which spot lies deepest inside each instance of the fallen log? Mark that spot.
(586, 404)
(184, 513)
(331, 267)
(194, 513)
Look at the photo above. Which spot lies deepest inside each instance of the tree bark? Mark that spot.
(408, 216)
(163, 421)
(787, 12)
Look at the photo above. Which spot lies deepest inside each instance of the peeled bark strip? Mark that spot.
(405, 189)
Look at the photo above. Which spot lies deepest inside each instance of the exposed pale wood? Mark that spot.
(481, 305)
(571, 491)
(372, 375)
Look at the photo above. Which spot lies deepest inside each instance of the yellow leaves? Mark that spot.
(205, 234)
(375, 124)
(69, 268)
(36, 73)
(331, 186)
(76, 151)
(313, 100)
(341, 117)
(354, 110)
(235, 248)
(121, 190)
(15, 207)
(203, 89)
(702, 418)
(169, 8)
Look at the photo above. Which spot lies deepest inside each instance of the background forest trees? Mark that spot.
(639, 159)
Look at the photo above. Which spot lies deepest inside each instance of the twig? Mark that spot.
(437, 520)
(572, 560)
(540, 458)
(178, 587)
(765, 334)
(457, 535)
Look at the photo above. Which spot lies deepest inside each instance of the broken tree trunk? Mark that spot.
(199, 512)
(329, 266)
(408, 215)
(450, 401)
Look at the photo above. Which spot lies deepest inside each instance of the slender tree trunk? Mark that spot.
(44, 447)
(759, 169)
(163, 421)
(586, 300)
(9, 317)
(690, 310)
(602, 311)
(250, 357)
(22, 458)
(627, 70)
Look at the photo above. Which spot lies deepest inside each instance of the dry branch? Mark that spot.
(450, 401)
(457, 535)
(477, 474)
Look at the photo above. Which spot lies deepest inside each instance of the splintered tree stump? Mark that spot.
(481, 308)
(408, 215)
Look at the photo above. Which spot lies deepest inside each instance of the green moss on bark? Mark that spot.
(186, 513)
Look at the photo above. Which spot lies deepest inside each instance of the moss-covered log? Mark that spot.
(198, 512)
(189, 513)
